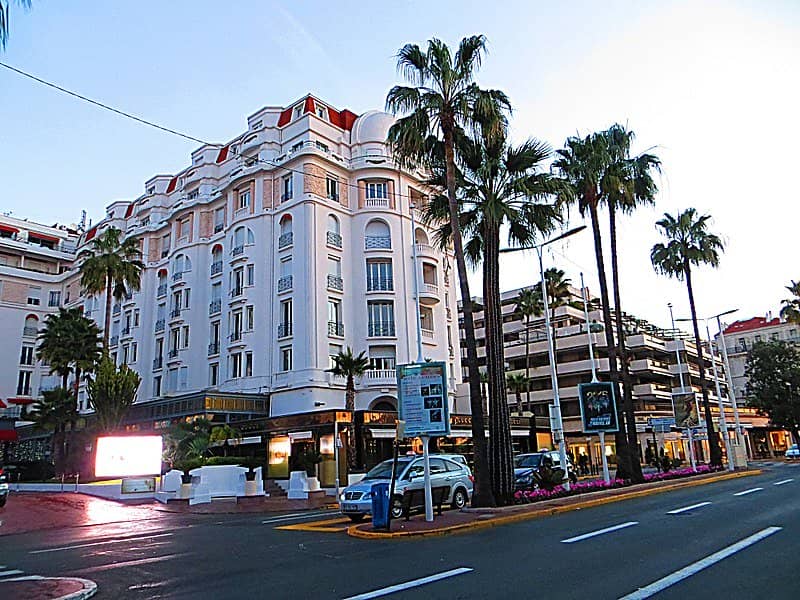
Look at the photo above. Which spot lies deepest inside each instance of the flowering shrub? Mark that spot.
(582, 487)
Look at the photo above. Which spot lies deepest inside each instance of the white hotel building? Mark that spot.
(266, 256)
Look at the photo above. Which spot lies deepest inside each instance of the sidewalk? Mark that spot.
(47, 588)
(265, 504)
(477, 518)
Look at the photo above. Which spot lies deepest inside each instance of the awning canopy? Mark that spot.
(8, 435)
(43, 236)
(8, 228)
(21, 400)
(382, 433)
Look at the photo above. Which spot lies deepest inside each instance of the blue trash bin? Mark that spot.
(380, 505)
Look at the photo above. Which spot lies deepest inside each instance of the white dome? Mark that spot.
(372, 126)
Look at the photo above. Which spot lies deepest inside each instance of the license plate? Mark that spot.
(346, 507)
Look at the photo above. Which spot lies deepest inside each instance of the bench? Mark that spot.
(416, 498)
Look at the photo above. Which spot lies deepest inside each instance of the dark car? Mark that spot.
(526, 464)
(3, 486)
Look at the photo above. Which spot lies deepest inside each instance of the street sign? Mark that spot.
(422, 399)
(661, 424)
(598, 407)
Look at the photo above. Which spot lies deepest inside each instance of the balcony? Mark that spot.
(175, 313)
(213, 348)
(285, 197)
(379, 377)
(377, 242)
(214, 307)
(381, 329)
(237, 251)
(158, 363)
(162, 290)
(236, 336)
(285, 283)
(177, 277)
(427, 333)
(426, 250)
(172, 353)
(428, 293)
(219, 227)
(377, 203)
(126, 331)
(114, 340)
(380, 284)
(285, 240)
(160, 324)
(236, 292)
(333, 239)
(335, 283)
(116, 310)
(333, 196)
(216, 268)
(284, 330)
(335, 328)
(29, 331)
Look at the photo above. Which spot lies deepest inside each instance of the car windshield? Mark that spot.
(527, 460)
(384, 470)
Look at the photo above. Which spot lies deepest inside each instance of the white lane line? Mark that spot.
(410, 584)
(9, 573)
(750, 491)
(782, 482)
(137, 538)
(298, 517)
(592, 534)
(692, 569)
(131, 563)
(678, 511)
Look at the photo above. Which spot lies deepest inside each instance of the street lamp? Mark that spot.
(683, 391)
(729, 374)
(556, 422)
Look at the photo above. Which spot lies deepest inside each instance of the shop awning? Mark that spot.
(461, 433)
(384, 434)
(8, 435)
(43, 236)
(300, 435)
(21, 400)
(8, 228)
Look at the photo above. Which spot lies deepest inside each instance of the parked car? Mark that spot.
(3, 486)
(355, 500)
(793, 452)
(526, 464)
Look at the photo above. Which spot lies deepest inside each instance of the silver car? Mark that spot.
(355, 500)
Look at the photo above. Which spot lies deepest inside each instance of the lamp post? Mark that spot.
(556, 422)
(731, 391)
(683, 391)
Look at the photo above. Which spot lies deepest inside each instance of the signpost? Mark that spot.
(598, 405)
(425, 410)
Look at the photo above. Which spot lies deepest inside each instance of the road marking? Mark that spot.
(295, 517)
(686, 572)
(750, 491)
(782, 482)
(678, 511)
(328, 525)
(9, 573)
(115, 541)
(410, 584)
(592, 534)
(131, 563)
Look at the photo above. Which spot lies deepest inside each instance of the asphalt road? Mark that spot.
(729, 546)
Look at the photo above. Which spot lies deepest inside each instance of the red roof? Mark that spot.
(343, 119)
(750, 324)
(172, 183)
(222, 156)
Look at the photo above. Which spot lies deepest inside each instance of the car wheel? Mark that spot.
(573, 478)
(397, 508)
(3, 500)
(356, 518)
(460, 499)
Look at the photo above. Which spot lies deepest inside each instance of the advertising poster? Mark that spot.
(423, 405)
(598, 407)
(686, 411)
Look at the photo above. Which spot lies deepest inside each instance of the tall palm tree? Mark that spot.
(113, 265)
(53, 412)
(690, 243)
(5, 6)
(69, 342)
(350, 366)
(791, 306)
(628, 184)
(558, 294)
(517, 383)
(443, 98)
(500, 186)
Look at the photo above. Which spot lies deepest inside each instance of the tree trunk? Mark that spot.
(620, 439)
(713, 441)
(107, 326)
(350, 406)
(528, 360)
(519, 402)
(482, 494)
(627, 387)
(500, 450)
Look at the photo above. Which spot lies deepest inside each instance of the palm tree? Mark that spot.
(112, 265)
(528, 305)
(689, 242)
(5, 6)
(558, 294)
(500, 186)
(349, 366)
(69, 342)
(442, 99)
(791, 306)
(584, 163)
(53, 412)
(517, 383)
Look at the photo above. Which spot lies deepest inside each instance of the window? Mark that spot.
(136, 316)
(55, 298)
(377, 236)
(322, 112)
(214, 333)
(429, 273)
(24, 383)
(249, 320)
(332, 188)
(298, 111)
(382, 358)
(194, 193)
(219, 219)
(286, 267)
(250, 275)
(237, 281)
(335, 325)
(181, 264)
(379, 275)
(26, 356)
(165, 242)
(286, 358)
(334, 266)
(186, 295)
(236, 365)
(185, 336)
(380, 318)
(34, 295)
(287, 188)
(285, 324)
(157, 385)
(426, 318)
(159, 348)
(333, 350)
(248, 364)
(236, 326)
(172, 380)
(183, 378)
(216, 292)
(134, 352)
(376, 189)
(244, 200)
(184, 228)
(174, 340)
(213, 374)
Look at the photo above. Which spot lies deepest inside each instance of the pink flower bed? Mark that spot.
(583, 487)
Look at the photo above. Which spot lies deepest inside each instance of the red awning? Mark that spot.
(3, 404)
(91, 233)
(21, 400)
(222, 155)
(8, 435)
(129, 210)
(172, 184)
(8, 228)
(43, 236)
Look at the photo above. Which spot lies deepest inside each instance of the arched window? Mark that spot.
(181, 264)
(334, 234)
(420, 237)
(285, 237)
(162, 277)
(251, 239)
(216, 253)
(286, 224)
(333, 224)
(377, 235)
(31, 326)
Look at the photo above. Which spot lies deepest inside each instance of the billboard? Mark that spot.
(129, 455)
(422, 399)
(686, 411)
(598, 407)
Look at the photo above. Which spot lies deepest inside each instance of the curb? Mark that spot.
(89, 587)
(354, 530)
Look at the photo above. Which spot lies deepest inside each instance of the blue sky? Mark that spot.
(711, 85)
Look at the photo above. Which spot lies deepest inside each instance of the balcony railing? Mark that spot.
(173, 353)
(285, 283)
(335, 328)
(175, 313)
(177, 276)
(381, 329)
(427, 333)
(114, 340)
(380, 375)
(430, 288)
(216, 268)
(380, 284)
(285, 240)
(160, 324)
(116, 309)
(285, 197)
(334, 239)
(377, 203)
(162, 290)
(377, 242)
(237, 251)
(214, 307)
(333, 196)
(237, 291)
(425, 249)
(29, 331)
(219, 227)
(335, 282)
(158, 363)
(126, 331)
(236, 336)
(284, 330)
(213, 348)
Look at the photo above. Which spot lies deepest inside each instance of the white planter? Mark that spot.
(251, 488)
